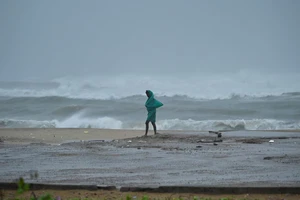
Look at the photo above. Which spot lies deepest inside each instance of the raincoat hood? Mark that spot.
(151, 102)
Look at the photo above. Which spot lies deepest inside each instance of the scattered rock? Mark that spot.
(203, 141)
(218, 140)
(251, 141)
(268, 158)
(275, 157)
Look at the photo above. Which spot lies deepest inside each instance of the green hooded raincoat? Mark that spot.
(151, 105)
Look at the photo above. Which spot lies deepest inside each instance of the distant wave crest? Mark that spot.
(227, 86)
(19, 96)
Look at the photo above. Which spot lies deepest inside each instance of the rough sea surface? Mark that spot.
(240, 102)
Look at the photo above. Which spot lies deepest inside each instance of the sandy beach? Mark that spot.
(85, 194)
(66, 135)
(127, 158)
(57, 136)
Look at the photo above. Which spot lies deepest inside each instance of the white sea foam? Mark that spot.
(16, 123)
(77, 121)
(240, 124)
(203, 86)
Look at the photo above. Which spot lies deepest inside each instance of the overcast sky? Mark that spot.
(55, 38)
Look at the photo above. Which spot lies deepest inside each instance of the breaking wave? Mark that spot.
(254, 124)
(73, 122)
(76, 121)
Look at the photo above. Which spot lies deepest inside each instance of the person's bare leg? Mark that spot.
(147, 128)
(154, 127)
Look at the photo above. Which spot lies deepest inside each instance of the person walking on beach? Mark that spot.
(151, 105)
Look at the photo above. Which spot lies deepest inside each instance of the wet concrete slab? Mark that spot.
(165, 159)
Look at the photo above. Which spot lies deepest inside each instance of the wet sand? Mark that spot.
(100, 194)
(126, 158)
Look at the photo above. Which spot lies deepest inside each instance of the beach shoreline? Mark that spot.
(128, 158)
(65, 135)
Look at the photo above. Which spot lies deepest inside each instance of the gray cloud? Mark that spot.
(48, 39)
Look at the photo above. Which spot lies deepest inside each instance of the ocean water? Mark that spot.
(241, 101)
